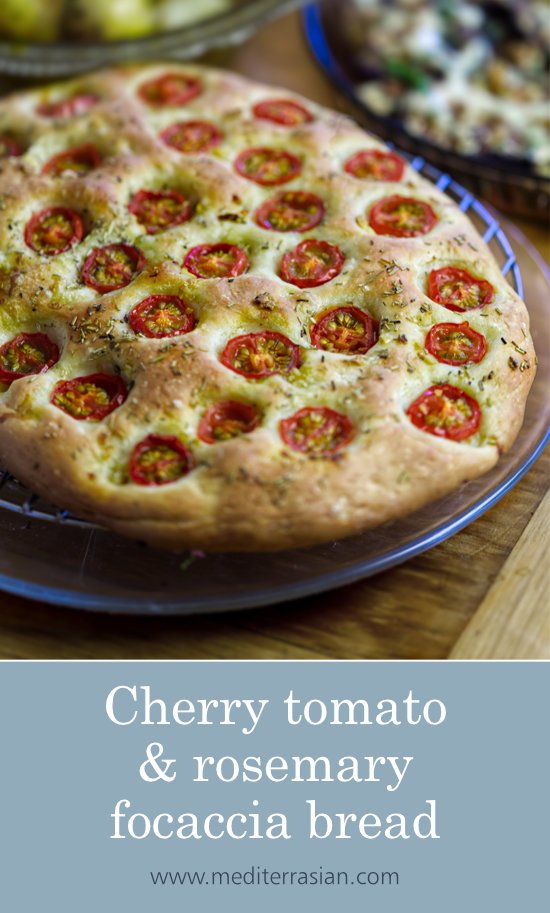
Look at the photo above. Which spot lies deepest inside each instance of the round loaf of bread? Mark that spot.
(232, 320)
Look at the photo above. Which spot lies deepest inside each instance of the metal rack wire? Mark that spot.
(16, 498)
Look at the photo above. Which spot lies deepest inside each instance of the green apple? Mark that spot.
(30, 20)
(113, 20)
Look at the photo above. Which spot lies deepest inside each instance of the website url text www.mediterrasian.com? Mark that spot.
(258, 877)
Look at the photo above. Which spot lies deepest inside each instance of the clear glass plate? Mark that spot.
(49, 555)
(63, 58)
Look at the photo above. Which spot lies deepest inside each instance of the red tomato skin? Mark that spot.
(331, 272)
(113, 385)
(464, 431)
(224, 411)
(239, 267)
(87, 151)
(448, 273)
(68, 107)
(212, 136)
(166, 98)
(299, 199)
(39, 339)
(137, 206)
(11, 147)
(391, 165)
(71, 216)
(154, 440)
(135, 255)
(293, 162)
(369, 338)
(380, 209)
(138, 322)
(251, 338)
(432, 343)
(287, 426)
(281, 111)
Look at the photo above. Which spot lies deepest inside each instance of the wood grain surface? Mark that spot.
(484, 593)
(513, 621)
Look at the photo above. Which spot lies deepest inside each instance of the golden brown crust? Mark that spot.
(251, 492)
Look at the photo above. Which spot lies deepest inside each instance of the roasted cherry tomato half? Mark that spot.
(311, 263)
(90, 398)
(158, 211)
(456, 344)
(162, 315)
(27, 353)
(79, 160)
(268, 166)
(282, 111)
(216, 261)
(9, 147)
(170, 90)
(159, 459)
(457, 290)
(346, 330)
(446, 411)
(257, 355)
(54, 230)
(192, 136)
(227, 420)
(68, 107)
(375, 165)
(317, 430)
(402, 217)
(291, 210)
(113, 266)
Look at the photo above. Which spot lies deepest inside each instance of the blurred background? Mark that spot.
(462, 83)
(101, 20)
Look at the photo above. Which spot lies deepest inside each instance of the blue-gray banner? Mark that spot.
(190, 785)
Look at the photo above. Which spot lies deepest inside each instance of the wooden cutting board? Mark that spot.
(482, 594)
(513, 620)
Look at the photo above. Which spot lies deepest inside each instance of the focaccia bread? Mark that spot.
(231, 320)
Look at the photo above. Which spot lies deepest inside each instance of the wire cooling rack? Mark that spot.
(15, 497)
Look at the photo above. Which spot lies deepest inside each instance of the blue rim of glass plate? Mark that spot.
(75, 599)
(358, 571)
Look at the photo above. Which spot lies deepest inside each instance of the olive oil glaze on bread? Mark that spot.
(232, 320)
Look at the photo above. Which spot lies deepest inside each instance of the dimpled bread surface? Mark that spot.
(253, 491)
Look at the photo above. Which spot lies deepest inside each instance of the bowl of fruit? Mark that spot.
(45, 38)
